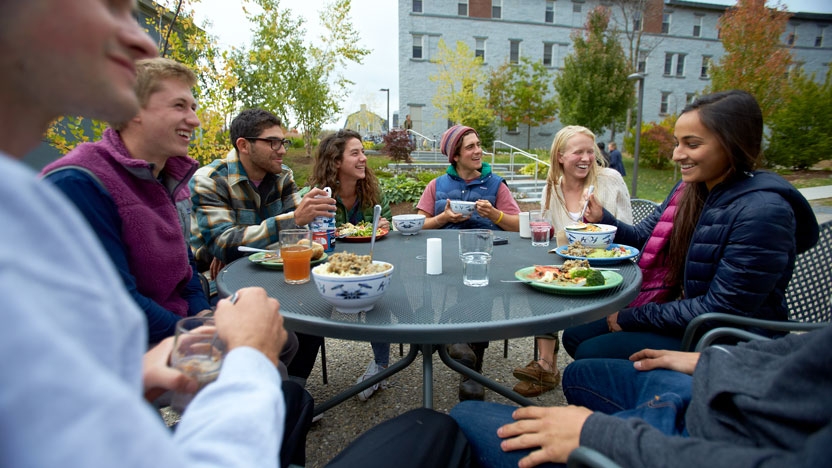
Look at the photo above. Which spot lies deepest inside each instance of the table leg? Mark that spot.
(485, 381)
(355, 389)
(427, 376)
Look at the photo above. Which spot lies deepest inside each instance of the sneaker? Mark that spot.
(372, 370)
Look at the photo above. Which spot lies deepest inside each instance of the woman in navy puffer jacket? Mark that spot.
(735, 234)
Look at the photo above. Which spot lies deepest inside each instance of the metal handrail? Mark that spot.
(514, 150)
(425, 140)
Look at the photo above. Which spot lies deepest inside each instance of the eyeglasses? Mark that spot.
(275, 143)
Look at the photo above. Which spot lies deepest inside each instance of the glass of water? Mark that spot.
(475, 246)
(198, 353)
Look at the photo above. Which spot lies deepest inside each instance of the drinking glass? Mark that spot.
(540, 227)
(475, 246)
(296, 252)
(197, 353)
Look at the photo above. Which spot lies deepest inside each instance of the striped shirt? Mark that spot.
(230, 211)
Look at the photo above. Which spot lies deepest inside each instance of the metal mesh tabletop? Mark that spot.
(423, 309)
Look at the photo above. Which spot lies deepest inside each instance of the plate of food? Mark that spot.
(361, 232)
(574, 277)
(272, 259)
(597, 256)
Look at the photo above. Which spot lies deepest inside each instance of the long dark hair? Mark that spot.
(735, 119)
(325, 174)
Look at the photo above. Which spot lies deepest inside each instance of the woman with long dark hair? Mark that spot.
(729, 246)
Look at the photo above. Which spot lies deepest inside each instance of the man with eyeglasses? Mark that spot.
(249, 196)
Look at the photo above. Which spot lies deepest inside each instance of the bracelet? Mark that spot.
(500, 218)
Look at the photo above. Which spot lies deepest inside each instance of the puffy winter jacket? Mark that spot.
(740, 258)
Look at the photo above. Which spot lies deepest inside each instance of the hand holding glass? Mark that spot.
(475, 246)
(197, 353)
(296, 252)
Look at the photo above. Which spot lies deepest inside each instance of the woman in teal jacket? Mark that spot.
(341, 165)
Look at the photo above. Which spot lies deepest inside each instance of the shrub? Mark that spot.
(656, 143)
(402, 188)
(528, 169)
(397, 145)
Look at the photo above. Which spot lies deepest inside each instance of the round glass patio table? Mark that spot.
(429, 310)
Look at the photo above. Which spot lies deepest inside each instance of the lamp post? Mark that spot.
(640, 78)
(387, 90)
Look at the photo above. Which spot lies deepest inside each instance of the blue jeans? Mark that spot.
(381, 353)
(609, 386)
(594, 340)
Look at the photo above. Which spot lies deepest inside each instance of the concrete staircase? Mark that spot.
(525, 188)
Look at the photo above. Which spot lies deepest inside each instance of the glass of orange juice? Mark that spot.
(296, 252)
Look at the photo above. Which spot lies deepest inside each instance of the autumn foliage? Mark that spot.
(755, 58)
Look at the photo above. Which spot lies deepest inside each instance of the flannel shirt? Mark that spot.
(228, 210)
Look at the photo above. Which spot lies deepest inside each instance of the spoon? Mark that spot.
(586, 203)
(376, 215)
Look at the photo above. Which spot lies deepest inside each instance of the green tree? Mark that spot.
(593, 90)
(283, 74)
(755, 60)
(460, 79)
(801, 131)
(522, 94)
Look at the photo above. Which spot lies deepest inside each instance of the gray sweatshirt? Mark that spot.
(762, 404)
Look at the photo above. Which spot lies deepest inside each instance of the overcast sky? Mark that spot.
(377, 23)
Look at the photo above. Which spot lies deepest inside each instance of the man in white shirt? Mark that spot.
(73, 342)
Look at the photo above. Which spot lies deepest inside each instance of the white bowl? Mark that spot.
(409, 224)
(594, 239)
(465, 208)
(352, 294)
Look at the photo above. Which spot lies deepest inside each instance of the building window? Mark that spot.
(690, 97)
(576, 8)
(668, 64)
(417, 6)
(819, 38)
(666, 23)
(462, 8)
(664, 104)
(512, 128)
(790, 39)
(550, 11)
(547, 54)
(680, 65)
(706, 65)
(497, 9)
(418, 41)
(697, 27)
(642, 61)
(479, 48)
(514, 52)
(637, 22)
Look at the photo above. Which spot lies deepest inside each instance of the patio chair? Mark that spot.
(808, 297)
(642, 208)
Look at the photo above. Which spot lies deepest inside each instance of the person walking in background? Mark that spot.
(604, 160)
(132, 187)
(468, 178)
(341, 165)
(408, 126)
(616, 162)
(724, 241)
(572, 170)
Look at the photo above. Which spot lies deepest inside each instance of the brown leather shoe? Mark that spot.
(535, 374)
(529, 389)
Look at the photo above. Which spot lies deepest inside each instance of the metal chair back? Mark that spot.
(809, 295)
(642, 208)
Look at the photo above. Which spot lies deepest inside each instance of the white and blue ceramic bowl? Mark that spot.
(352, 294)
(465, 208)
(595, 239)
(409, 224)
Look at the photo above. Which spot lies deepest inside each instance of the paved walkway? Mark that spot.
(823, 213)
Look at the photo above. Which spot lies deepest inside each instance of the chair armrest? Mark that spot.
(712, 335)
(729, 319)
(585, 457)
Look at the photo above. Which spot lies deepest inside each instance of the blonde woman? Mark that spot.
(574, 160)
